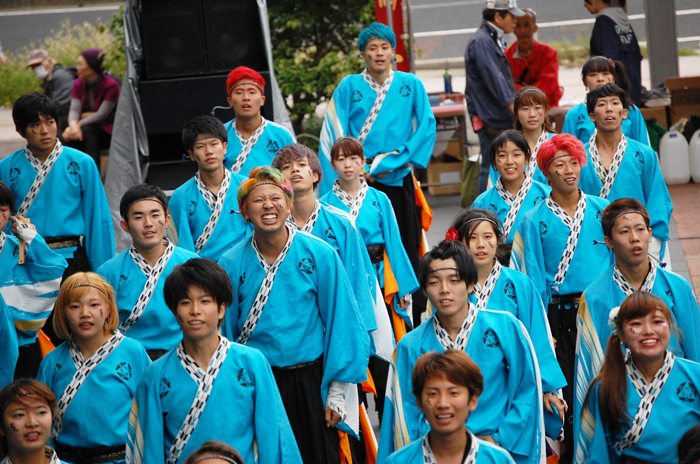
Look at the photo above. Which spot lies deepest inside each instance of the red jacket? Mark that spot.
(543, 70)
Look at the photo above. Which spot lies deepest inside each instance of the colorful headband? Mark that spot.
(216, 456)
(529, 89)
(248, 83)
(144, 199)
(91, 285)
(553, 158)
(442, 269)
(261, 183)
(612, 223)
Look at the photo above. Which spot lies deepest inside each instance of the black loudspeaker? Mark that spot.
(199, 37)
(167, 104)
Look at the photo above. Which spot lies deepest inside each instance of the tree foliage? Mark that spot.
(313, 47)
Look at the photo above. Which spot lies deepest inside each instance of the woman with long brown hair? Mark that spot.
(642, 389)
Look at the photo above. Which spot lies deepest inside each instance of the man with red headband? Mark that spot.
(559, 245)
(292, 300)
(252, 139)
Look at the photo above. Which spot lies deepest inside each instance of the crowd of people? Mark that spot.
(259, 307)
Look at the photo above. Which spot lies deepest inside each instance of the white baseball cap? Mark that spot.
(510, 5)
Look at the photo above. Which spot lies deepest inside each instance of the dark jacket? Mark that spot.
(490, 86)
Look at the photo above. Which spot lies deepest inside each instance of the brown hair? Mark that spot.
(613, 375)
(618, 207)
(73, 289)
(297, 152)
(454, 365)
(529, 96)
(214, 450)
(17, 392)
(348, 145)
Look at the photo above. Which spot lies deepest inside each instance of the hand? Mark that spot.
(73, 132)
(17, 219)
(332, 418)
(554, 340)
(403, 303)
(561, 406)
(86, 114)
(487, 438)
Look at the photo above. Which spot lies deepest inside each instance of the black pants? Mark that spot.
(30, 355)
(408, 217)
(94, 139)
(300, 389)
(562, 322)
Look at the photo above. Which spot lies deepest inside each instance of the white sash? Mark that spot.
(464, 332)
(3, 238)
(153, 274)
(429, 457)
(85, 367)
(575, 226)
(247, 145)
(515, 202)
(484, 293)
(381, 91)
(648, 392)
(216, 203)
(627, 287)
(205, 384)
(532, 165)
(607, 178)
(310, 223)
(265, 288)
(355, 204)
(42, 171)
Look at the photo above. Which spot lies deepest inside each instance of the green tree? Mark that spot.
(313, 47)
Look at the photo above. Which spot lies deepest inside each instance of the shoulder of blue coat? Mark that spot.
(182, 191)
(77, 155)
(414, 339)
(336, 214)
(515, 276)
(327, 198)
(499, 318)
(11, 159)
(246, 355)
(229, 124)
(381, 196)
(313, 243)
(132, 345)
(113, 264)
(404, 455)
(182, 255)
(534, 213)
(675, 279)
(483, 198)
(55, 354)
(497, 454)
(278, 128)
(232, 255)
(640, 147)
(156, 370)
(691, 367)
(597, 203)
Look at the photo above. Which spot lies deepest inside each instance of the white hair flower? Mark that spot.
(612, 319)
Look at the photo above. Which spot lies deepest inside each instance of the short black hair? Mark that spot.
(489, 14)
(607, 90)
(199, 125)
(7, 198)
(138, 192)
(509, 136)
(445, 250)
(28, 108)
(198, 272)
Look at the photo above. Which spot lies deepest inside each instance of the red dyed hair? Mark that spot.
(560, 142)
(241, 73)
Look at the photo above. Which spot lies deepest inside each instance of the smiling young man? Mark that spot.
(301, 167)
(534, 63)
(447, 388)
(555, 245)
(389, 113)
(207, 388)
(626, 224)
(58, 188)
(619, 167)
(252, 139)
(205, 209)
(292, 300)
(138, 274)
(510, 410)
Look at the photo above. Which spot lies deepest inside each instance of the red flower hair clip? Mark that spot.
(452, 234)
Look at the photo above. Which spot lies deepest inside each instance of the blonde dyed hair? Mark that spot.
(76, 287)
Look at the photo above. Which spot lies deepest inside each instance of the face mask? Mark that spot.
(40, 72)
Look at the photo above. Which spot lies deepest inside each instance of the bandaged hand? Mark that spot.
(335, 403)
